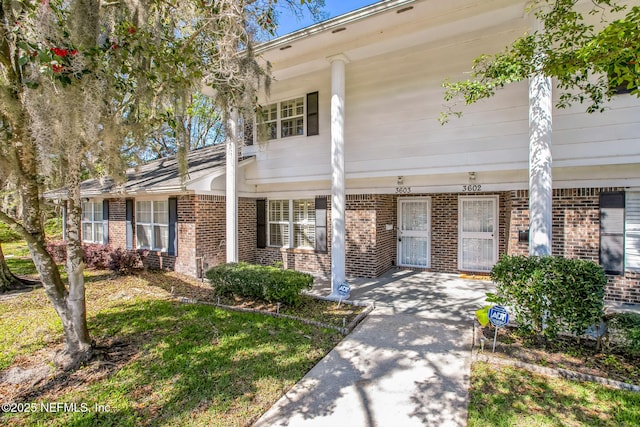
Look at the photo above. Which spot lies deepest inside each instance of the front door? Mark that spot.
(478, 233)
(414, 232)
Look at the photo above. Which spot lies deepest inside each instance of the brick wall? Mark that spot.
(211, 230)
(386, 247)
(624, 288)
(117, 223)
(364, 257)
(247, 231)
(371, 249)
(444, 233)
(361, 228)
(575, 233)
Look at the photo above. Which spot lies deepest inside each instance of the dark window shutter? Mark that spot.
(321, 225)
(261, 223)
(612, 232)
(173, 226)
(105, 222)
(313, 123)
(129, 224)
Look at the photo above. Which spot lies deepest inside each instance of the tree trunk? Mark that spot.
(7, 279)
(68, 303)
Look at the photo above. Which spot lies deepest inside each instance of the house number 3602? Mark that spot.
(403, 190)
(475, 187)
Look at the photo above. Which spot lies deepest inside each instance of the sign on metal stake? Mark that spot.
(499, 317)
(343, 290)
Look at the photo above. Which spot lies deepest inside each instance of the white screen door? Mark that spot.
(478, 233)
(414, 232)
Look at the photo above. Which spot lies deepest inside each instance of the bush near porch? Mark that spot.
(550, 294)
(266, 283)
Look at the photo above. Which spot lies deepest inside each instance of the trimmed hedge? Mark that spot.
(550, 294)
(270, 284)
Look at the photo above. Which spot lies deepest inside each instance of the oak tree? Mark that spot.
(81, 78)
(591, 49)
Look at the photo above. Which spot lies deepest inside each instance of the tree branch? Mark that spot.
(18, 228)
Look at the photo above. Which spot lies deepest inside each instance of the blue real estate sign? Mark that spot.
(344, 289)
(498, 316)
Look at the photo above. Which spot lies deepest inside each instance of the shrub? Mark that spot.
(101, 257)
(261, 282)
(550, 294)
(58, 251)
(126, 262)
(624, 331)
(96, 256)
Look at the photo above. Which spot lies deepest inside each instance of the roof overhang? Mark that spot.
(386, 27)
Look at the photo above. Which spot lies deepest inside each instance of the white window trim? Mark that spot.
(93, 222)
(279, 119)
(631, 235)
(496, 229)
(290, 223)
(152, 224)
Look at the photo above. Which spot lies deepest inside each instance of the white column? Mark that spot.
(231, 191)
(338, 199)
(540, 180)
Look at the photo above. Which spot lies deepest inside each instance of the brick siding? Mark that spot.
(211, 232)
(117, 223)
(575, 233)
(247, 231)
(371, 249)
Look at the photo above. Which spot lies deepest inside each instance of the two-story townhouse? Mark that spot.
(351, 174)
(415, 193)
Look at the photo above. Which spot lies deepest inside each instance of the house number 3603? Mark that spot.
(403, 190)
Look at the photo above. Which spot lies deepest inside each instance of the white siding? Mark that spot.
(393, 102)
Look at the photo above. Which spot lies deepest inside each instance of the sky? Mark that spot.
(289, 23)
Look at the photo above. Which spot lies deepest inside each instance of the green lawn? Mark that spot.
(505, 396)
(164, 363)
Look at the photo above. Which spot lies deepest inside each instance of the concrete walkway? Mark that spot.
(407, 364)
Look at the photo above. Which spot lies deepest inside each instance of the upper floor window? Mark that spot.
(92, 222)
(291, 223)
(289, 118)
(152, 225)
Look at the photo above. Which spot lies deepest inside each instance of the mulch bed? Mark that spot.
(566, 352)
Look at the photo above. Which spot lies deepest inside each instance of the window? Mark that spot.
(291, 223)
(152, 225)
(92, 222)
(620, 232)
(289, 118)
(632, 231)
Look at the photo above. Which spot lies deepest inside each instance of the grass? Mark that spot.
(18, 258)
(162, 362)
(508, 396)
